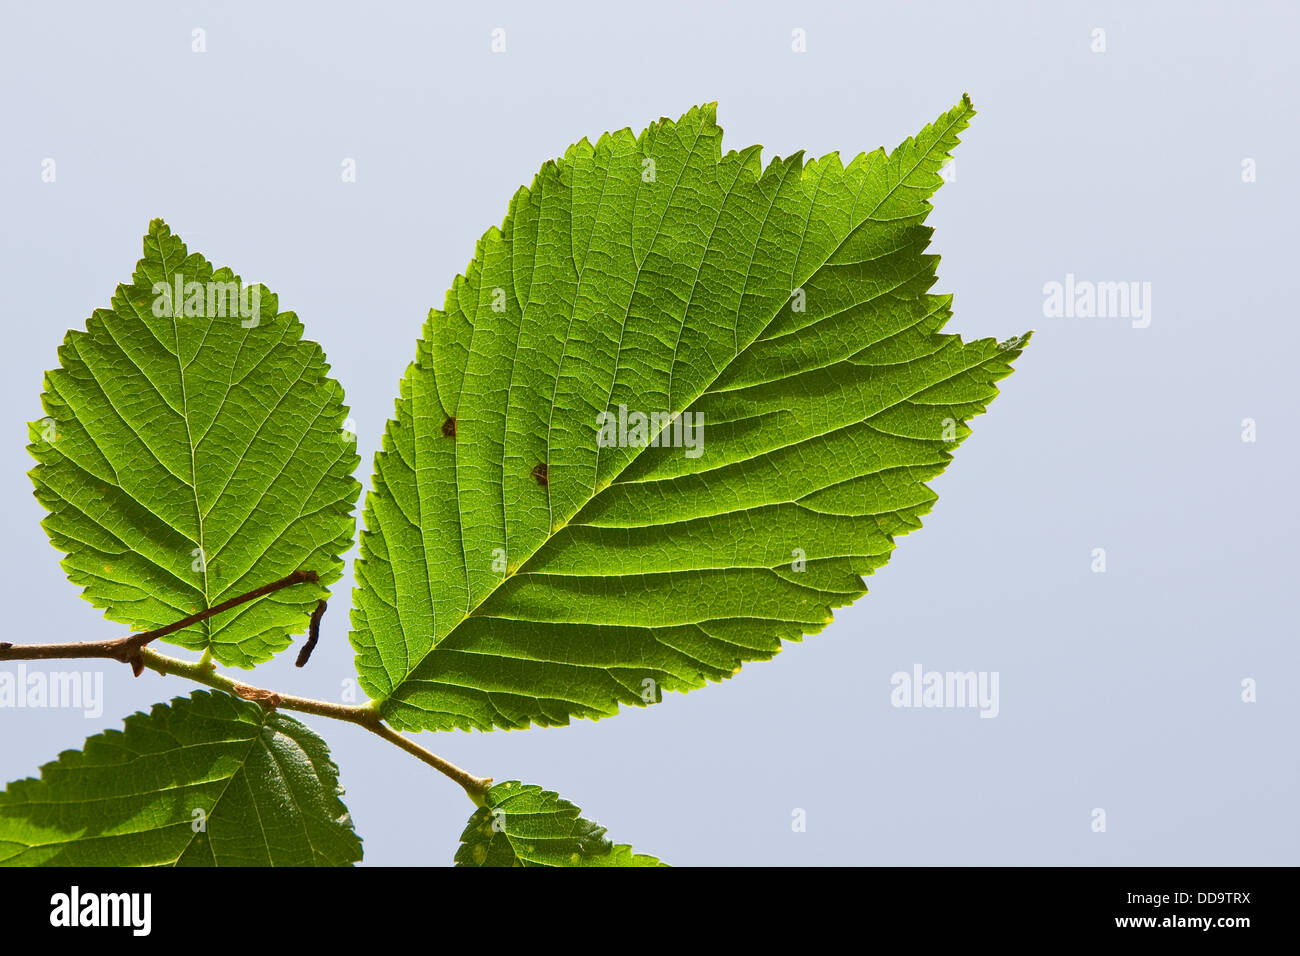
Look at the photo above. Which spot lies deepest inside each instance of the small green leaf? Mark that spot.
(193, 450)
(524, 825)
(208, 780)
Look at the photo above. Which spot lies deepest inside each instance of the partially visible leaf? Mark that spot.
(189, 458)
(517, 568)
(208, 780)
(524, 825)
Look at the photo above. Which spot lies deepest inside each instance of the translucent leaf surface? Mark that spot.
(524, 825)
(208, 780)
(193, 450)
(519, 567)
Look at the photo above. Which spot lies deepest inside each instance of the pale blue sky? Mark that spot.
(1118, 690)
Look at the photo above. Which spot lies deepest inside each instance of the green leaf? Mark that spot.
(262, 783)
(524, 825)
(517, 570)
(185, 459)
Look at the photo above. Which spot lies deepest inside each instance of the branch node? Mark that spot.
(269, 699)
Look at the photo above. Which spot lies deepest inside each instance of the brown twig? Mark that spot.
(132, 650)
(127, 649)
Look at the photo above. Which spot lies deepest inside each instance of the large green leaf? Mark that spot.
(514, 570)
(524, 825)
(208, 780)
(187, 458)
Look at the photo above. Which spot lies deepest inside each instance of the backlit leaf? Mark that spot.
(520, 568)
(193, 450)
(524, 825)
(208, 780)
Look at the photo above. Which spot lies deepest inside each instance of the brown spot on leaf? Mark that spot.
(449, 428)
(539, 474)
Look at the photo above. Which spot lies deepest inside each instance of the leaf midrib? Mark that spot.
(189, 441)
(243, 763)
